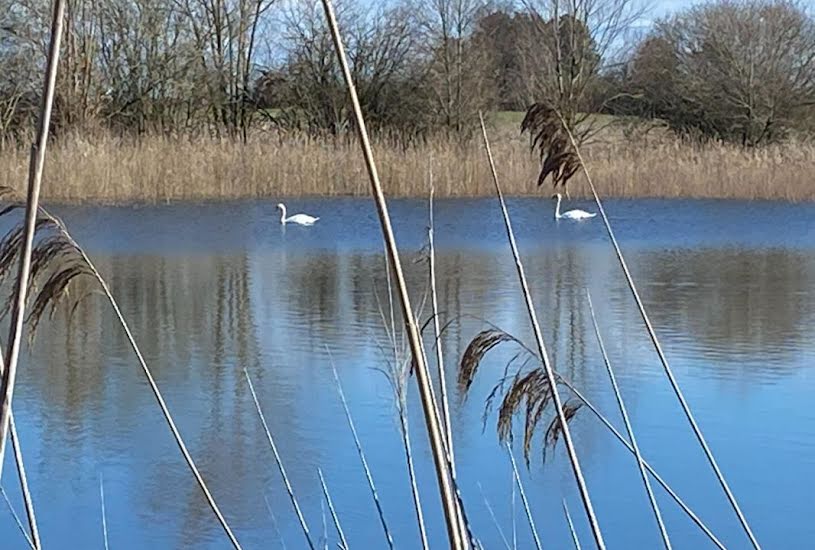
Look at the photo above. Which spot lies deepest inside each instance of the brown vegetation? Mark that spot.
(158, 169)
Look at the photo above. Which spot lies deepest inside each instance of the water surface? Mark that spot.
(213, 289)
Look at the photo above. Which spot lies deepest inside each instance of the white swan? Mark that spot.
(572, 214)
(299, 219)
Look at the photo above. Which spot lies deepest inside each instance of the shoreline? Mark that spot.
(215, 201)
(155, 170)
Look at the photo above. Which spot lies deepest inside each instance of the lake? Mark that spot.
(213, 289)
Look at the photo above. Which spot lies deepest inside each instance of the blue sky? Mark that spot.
(662, 8)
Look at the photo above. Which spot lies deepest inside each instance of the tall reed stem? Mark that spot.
(666, 541)
(494, 519)
(445, 404)
(274, 523)
(550, 372)
(414, 486)
(27, 500)
(104, 514)
(523, 499)
(575, 540)
(658, 347)
(32, 202)
(466, 532)
(334, 517)
(279, 463)
(422, 375)
(17, 520)
(363, 460)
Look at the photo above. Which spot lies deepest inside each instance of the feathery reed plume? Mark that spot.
(451, 512)
(658, 347)
(557, 157)
(523, 498)
(478, 347)
(557, 427)
(73, 262)
(532, 388)
(104, 515)
(603, 420)
(36, 166)
(575, 540)
(279, 463)
(550, 373)
(629, 429)
(17, 520)
(494, 519)
(361, 453)
(334, 517)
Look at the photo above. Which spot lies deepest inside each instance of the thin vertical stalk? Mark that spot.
(325, 525)
(361, 453)
(32, 203)
(494, 519)
(514, 515)
(27, 500)
(575, 540)
(422, 375)
(658, 347)
(444, 419)
(334, 517)
(17, 519)
(467, 536)
(279, 463)
(629, 429)
(445, 404)
(398, 375)
(547, 365)
(523, 499)
(414, 487)
(274, 523)
(104, 515)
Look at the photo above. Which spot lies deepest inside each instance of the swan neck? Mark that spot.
(282, 213)
(557, 208)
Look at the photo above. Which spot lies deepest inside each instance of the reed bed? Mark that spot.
(105, 169)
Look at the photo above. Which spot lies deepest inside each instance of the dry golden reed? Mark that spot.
(158, 169)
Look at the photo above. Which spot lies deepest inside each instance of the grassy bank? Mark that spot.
(110, 170)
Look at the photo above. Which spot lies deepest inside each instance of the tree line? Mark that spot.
(734, 70)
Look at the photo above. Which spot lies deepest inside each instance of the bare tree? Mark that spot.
(308, 90)
(564, 45)
(745, 70)
(225, 37)
(460, 76)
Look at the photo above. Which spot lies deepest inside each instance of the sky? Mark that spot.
(662, 8)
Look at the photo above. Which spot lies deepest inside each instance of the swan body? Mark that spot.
(572, 214)
(299, 219)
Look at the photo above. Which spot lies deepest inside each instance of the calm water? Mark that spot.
(213, 289)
